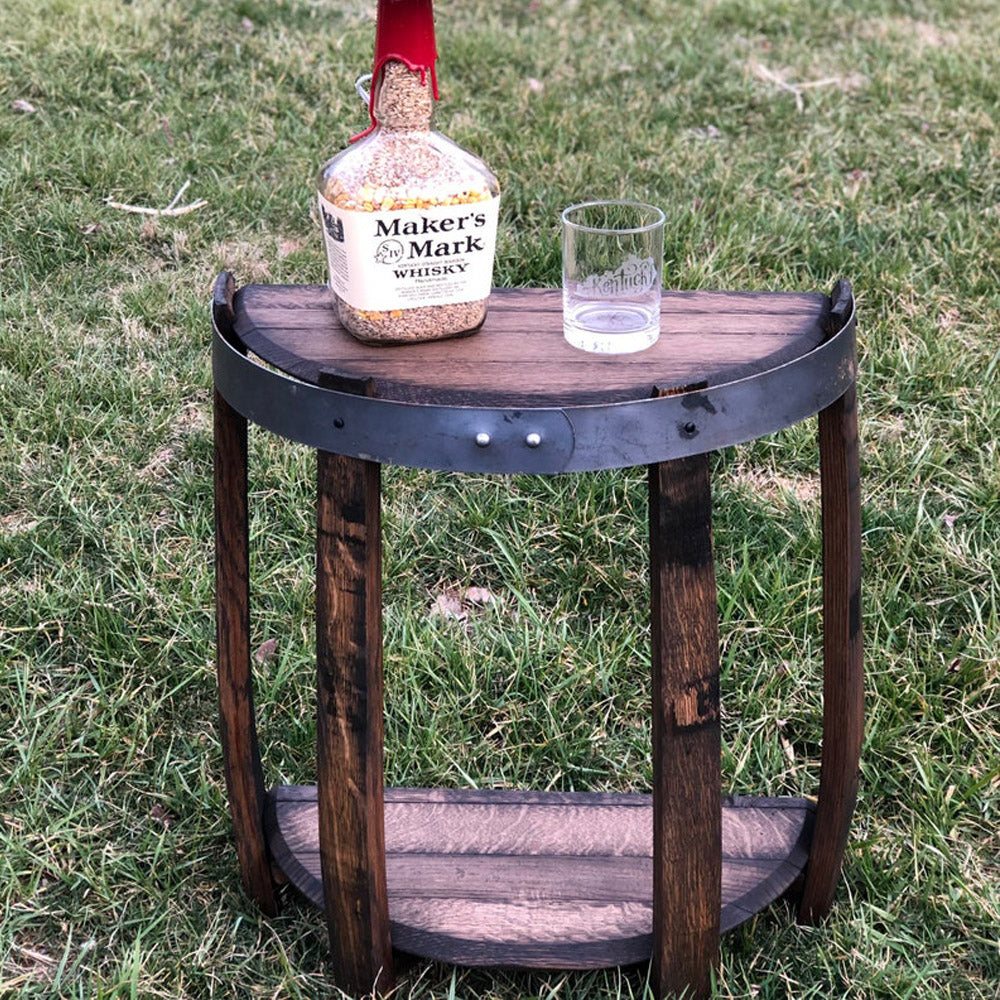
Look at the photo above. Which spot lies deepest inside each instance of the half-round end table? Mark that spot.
(525, 878)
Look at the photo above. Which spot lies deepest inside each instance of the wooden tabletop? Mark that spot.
(519, 356)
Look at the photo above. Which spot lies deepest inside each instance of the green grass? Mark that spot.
(117, 870)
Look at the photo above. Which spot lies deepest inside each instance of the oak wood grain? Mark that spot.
(237, 723)
(687, 831)
(350, 718)
(539, 879)
(519, 357)
(843, 669)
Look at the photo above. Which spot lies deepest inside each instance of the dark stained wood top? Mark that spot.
(519, 356)
(539, 879)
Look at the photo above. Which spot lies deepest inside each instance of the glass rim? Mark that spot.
(659, 217)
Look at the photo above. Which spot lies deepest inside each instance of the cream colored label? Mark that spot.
(412, 257)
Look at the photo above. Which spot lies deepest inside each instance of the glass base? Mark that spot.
(605, 328)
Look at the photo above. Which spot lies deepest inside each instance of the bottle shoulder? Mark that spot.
(405, 166)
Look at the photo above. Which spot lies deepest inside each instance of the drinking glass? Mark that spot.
(612, 256)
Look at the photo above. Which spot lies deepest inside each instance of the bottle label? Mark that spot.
(403, 259)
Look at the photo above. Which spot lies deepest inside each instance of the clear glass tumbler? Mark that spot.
(612, 257)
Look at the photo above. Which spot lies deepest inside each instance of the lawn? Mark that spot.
(790, 143)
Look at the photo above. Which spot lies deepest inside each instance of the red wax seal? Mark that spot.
(404, 31)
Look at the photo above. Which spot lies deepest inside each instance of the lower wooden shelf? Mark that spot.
(539, 879)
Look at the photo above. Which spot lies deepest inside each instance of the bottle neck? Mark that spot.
(403, 99)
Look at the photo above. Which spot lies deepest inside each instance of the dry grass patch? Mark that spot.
(777, 487)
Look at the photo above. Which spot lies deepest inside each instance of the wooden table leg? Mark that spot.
(843, 673)
(244, 777)
(687, 794)
(350, 726)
